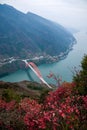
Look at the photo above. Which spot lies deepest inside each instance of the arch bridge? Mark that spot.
(35, 69)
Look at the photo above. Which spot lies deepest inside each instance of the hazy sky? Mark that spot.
(69, 13)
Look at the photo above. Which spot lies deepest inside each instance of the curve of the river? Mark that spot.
(63, 68)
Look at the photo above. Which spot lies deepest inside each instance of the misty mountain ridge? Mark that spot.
(28, 35)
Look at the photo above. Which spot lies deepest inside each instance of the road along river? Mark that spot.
(63, 68)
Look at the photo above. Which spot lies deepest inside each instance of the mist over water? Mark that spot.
(63, 68)
(69, 13)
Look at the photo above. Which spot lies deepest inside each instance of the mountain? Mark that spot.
(29, 35)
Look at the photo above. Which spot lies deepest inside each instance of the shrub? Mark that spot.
(9, 94)
(80, 78)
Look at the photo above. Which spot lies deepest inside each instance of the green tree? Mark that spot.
(80, 78)
(9, 95)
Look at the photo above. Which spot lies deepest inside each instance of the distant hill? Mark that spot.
(28, 35)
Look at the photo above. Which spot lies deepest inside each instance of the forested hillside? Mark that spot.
(28, 35)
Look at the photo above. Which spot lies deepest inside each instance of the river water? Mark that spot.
(63, 68)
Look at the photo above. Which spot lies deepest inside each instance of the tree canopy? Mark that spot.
(80, 78)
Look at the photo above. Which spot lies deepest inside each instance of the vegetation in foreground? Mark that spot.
(62, 109)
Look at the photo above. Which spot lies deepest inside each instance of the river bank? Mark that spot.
(11, 65)
(64, 68)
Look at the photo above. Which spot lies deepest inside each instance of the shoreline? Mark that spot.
(38, 61)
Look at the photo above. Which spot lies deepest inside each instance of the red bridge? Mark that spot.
(35, 69)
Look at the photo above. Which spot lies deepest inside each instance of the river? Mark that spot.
(63, 68)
